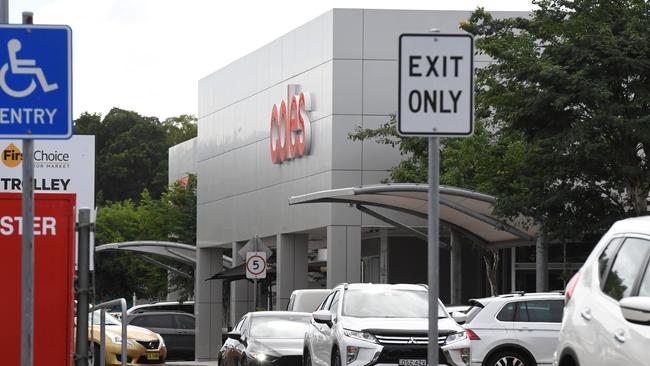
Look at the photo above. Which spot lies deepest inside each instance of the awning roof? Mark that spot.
(183, 253)
(461, 209)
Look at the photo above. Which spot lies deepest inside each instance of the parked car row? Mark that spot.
(356, 324)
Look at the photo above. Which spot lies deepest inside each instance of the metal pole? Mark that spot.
(83, 275)
(4, 11)
(255, 279)
(102, 337)
(125, 336)
(27, 323)
(433, 247)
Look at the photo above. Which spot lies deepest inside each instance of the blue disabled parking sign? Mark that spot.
(35, 82)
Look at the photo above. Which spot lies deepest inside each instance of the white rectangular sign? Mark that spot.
(436, 85)
(60, 166)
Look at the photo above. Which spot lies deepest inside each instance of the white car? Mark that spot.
(607, 314)
(518, 329)
(307, 300)
(376, 324)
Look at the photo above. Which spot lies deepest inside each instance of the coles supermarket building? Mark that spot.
(275, 124)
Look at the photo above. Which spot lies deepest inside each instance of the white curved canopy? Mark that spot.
(460, 209)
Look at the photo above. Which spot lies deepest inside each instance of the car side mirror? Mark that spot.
(636, 309)
(459, 317)
(234, 335)
(322, 317)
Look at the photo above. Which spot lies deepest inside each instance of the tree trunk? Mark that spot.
(491, 258)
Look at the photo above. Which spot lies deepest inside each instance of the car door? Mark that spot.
(616, 336)
(320, 353)
(185, 325)
(162, 324)
(537, 327)
(639, 339)
(232, 349)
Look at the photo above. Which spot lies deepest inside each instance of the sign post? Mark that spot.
(436, 78)
(36, 90)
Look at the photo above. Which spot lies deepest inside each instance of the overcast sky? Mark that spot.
(148, 55)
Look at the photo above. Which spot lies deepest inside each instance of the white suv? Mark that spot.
(607, 314)
(519, 329)
(375, 324)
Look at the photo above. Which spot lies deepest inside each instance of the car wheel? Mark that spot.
(336, 357)
(306, 357)
(509, 358)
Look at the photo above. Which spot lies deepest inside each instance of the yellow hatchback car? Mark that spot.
(144, 347)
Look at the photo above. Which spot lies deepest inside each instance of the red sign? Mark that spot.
(54, 235)
(290, 129)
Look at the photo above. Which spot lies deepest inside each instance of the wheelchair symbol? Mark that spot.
(25, 67)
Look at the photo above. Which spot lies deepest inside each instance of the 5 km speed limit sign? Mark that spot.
(256, 265)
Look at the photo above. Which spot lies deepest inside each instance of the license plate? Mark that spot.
(153, 356)
(406, 362)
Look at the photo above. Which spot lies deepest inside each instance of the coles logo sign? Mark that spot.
(290, 129)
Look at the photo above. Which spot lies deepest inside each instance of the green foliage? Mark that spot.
(573, 83)
(131, 151)
(172, 217)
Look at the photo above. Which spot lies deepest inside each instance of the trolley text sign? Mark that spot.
(35, 82)
(436, 79)
(54, 233)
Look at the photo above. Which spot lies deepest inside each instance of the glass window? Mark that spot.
(644, 288)
(154, 321)
(335, 303)
(626, 267)
(521, 313)
(95, 318)
(326, 303)
(606, 257)
(507, 314)
(280, 327)
(185, 322)
(388, 303)
(544, 311)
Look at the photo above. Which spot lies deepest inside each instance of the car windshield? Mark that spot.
(94, 318)
(279, 327)
(388, 303)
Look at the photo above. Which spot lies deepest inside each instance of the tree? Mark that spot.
(172, 217)
(573, 82)
(131, 151)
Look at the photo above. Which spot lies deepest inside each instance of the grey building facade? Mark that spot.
(345, 63)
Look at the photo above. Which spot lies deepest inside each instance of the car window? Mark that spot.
(605, 259)
(388, 303)
(521, 313)
(335, 303)
(326, 303)
(627, 265)
(244, 327)
(644, 287)
(507, 313)
(239, 325)
(185, 322)
(544, 311)
(154, 321)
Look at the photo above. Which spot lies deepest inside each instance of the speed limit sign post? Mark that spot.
(256, 265)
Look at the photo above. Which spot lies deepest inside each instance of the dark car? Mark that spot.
(266, 338)
(176, 328)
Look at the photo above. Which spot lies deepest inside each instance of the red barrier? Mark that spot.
(54, 235)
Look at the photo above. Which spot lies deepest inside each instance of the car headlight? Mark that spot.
(364, 336)
(261, 357)
(455, 337)
(118, 340)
